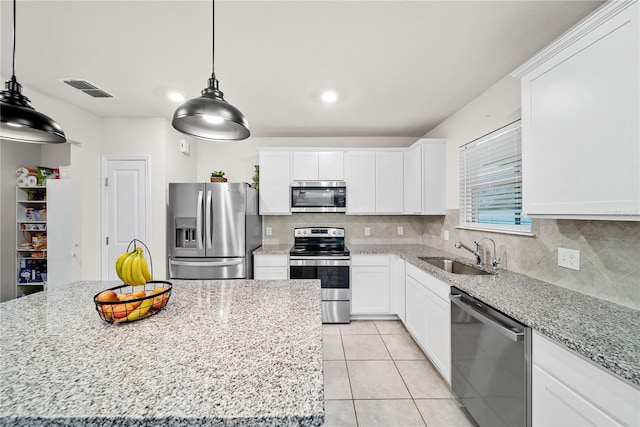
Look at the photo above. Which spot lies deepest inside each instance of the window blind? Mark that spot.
(491, 182)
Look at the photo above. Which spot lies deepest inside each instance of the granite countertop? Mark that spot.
(603, 332)
(273, 250)
(234, 352)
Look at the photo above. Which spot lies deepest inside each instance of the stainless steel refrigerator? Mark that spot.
(213, 228)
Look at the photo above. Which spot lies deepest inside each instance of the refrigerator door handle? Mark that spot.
(208, 219)
(199, 220)
(207, 263)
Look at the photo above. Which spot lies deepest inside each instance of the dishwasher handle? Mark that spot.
(503, 329)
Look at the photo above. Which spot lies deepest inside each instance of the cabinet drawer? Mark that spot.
(271, 260)
(369, 260)
(431, 283)
(592, 383)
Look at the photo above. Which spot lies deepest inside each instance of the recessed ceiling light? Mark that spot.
(329, 96)
(175, 96)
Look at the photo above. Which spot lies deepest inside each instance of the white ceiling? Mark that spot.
(400, 67)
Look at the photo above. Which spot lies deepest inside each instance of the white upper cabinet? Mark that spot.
(275, 182)
(580, 120)
(425, 177)
(331, 166)
(360, 175)
(305, 166)
(389, 182)
(413, 180)
(434, 176)
(318, 166)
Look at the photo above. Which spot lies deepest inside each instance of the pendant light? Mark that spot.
(210, 116)
(19, 121)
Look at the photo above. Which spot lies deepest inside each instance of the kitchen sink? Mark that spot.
(455, 267)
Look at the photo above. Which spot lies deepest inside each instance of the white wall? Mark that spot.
(497, 106)
(84, 131)
(155, 138)
(237, 159)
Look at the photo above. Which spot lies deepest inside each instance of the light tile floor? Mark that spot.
(376, 375)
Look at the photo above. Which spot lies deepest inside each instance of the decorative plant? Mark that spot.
(217, 174)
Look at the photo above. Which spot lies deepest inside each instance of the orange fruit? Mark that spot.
(107, 296)
(159, 301)
(139, 294)
(123, 310)
(124, 297)
(106, 311)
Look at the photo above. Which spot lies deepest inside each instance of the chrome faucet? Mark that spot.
(495, 261)
(477, 252)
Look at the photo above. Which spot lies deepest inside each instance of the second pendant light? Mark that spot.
(210, 116)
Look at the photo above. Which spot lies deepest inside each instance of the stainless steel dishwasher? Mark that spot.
(490, 363)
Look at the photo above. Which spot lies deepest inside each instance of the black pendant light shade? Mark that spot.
(210, 116)
(19, 121)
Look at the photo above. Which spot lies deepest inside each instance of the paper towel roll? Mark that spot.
(22, 181)
(31, 181)
(26, 171)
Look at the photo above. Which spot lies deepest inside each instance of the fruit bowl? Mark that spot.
(126, 303)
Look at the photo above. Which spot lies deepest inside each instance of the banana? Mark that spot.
(145, 268)
(119, 263)
(136, 270)
(126, 269)
(141, 311)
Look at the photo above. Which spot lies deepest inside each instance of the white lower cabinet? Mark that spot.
(568, 390)
(397, 286)
(270, 267)
(414, 307)
(428, 317)
(370, 284)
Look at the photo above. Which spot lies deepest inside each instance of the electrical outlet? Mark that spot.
(367, 231)
(446, 234)
(268, 231)
(569, 258)
(400, 231)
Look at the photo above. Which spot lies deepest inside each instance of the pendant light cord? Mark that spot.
(13, 59)
(213, 36)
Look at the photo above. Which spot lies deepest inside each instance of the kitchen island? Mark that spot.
(234, 352)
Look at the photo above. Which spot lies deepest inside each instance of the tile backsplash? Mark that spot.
(609, 250)
(609, 253)
(383, 228)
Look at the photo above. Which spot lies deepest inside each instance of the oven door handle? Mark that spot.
(492, 323)
(317, 262)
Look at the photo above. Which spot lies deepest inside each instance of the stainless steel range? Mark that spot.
(320, 253)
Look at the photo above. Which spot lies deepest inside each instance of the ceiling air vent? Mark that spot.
(88, 88)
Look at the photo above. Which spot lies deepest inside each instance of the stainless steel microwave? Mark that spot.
(318, 196)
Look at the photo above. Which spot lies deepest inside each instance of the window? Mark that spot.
(491, 182)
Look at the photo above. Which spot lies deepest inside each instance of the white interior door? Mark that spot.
(125, 206)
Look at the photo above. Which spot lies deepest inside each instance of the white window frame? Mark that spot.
(491, 164)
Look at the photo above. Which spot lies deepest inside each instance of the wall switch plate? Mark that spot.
(184, 146)
(446, 234)
(367, 231)
(569, 258)
(268, 231)
(400, 231)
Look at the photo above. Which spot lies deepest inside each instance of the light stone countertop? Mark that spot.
(273, 250)
(603, 332)
(234, 352)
